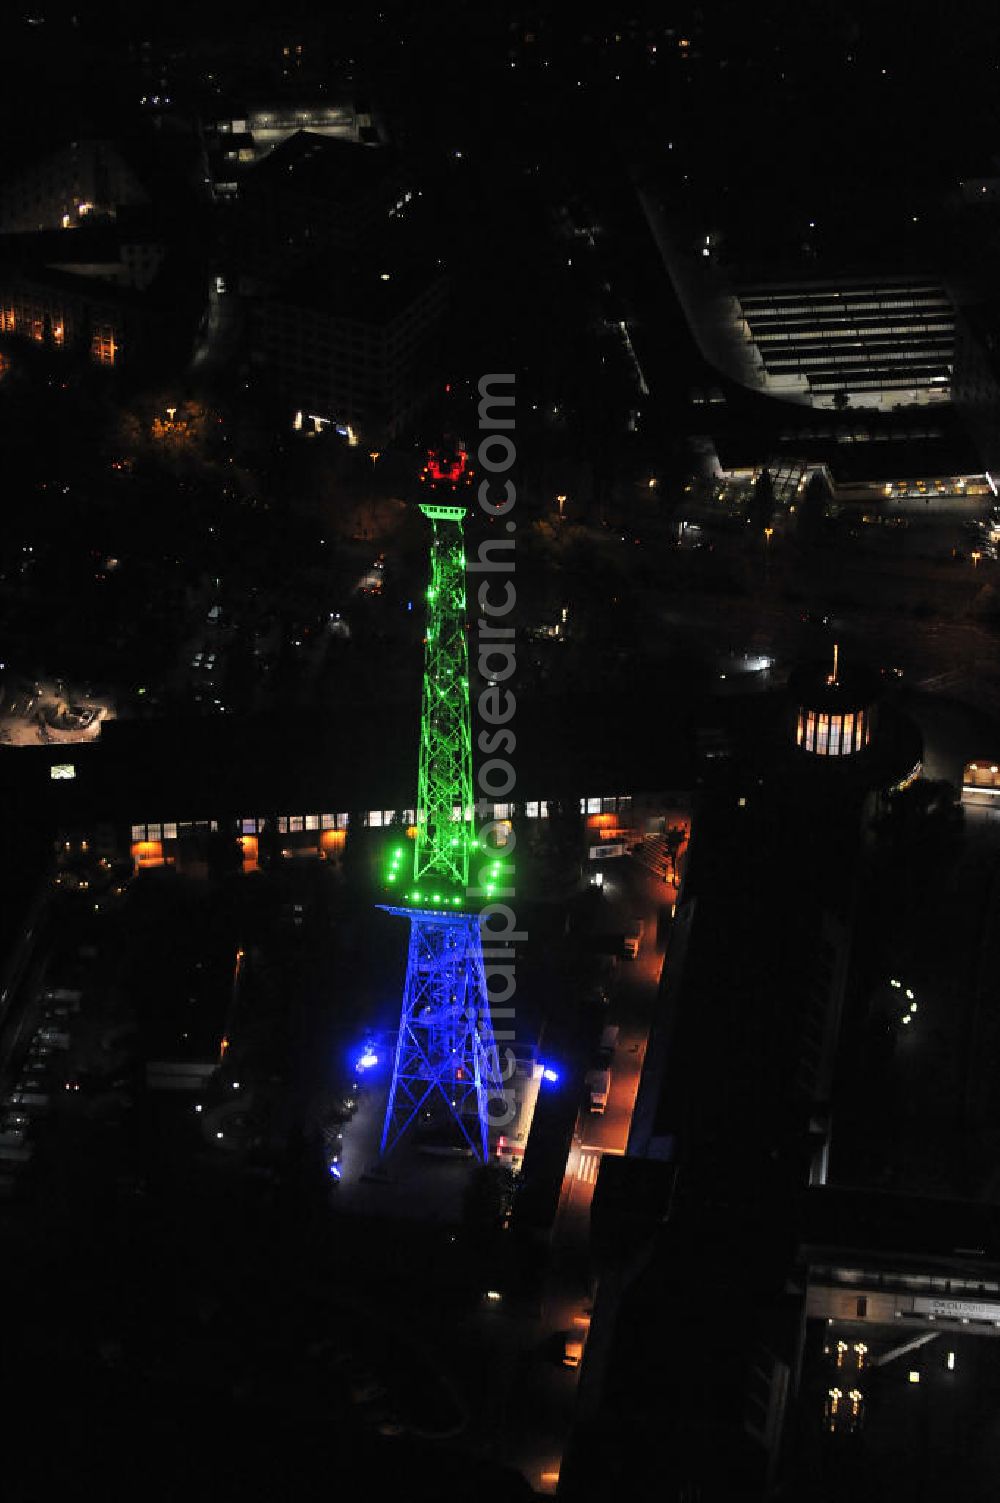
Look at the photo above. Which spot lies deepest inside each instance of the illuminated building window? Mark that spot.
(327, 822)
(409, 816)
(593, 806)
(37, 330)
(861, 739)
(609, 806)
(154, 832)
(341, 821)
(248, 826)
(982, 775)
(138, 832)
(103, 346)
(375, 817)
(312, 821)
(835, 724)
(58, 334)
(282, 824)
(8, 321)
(147, 853)
(822, 735)
(531, 810)
(388, 816)
(170, 830)
(800, 729)
(848, 741)
(295, 823)
(811, 731)
(503, 811)
(543, 809)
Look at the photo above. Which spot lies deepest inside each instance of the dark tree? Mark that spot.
(268, 845)
(224, 853)
(564, 843)
(487, 1198)
(810, 512)
(760, 510)
(922, 823)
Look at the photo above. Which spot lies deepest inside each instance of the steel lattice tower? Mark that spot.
(446, 1055)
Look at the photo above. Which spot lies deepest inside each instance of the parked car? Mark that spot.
(608, 1044)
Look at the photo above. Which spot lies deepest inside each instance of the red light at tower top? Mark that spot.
(447, 466)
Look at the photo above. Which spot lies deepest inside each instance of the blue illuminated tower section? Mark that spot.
(446, 1062)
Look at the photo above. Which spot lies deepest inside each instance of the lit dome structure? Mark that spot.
(836, 710)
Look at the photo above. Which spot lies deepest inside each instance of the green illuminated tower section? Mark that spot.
(446, 1070)
(445, 827)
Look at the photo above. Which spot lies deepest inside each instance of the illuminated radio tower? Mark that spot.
(446, 1056)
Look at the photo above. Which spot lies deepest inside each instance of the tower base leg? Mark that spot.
(446, 1065)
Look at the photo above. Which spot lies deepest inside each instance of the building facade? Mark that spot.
(86, 181)
(236, 142)
(360, 361)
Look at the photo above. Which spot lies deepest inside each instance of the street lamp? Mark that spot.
(975, 559)
(562, 502)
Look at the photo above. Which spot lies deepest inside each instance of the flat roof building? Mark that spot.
(694, 1353)
(870, 342)
(313, 192)
(354, 342)
(869, 456)
(239, 140)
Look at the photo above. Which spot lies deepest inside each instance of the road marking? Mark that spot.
(588, 1166)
